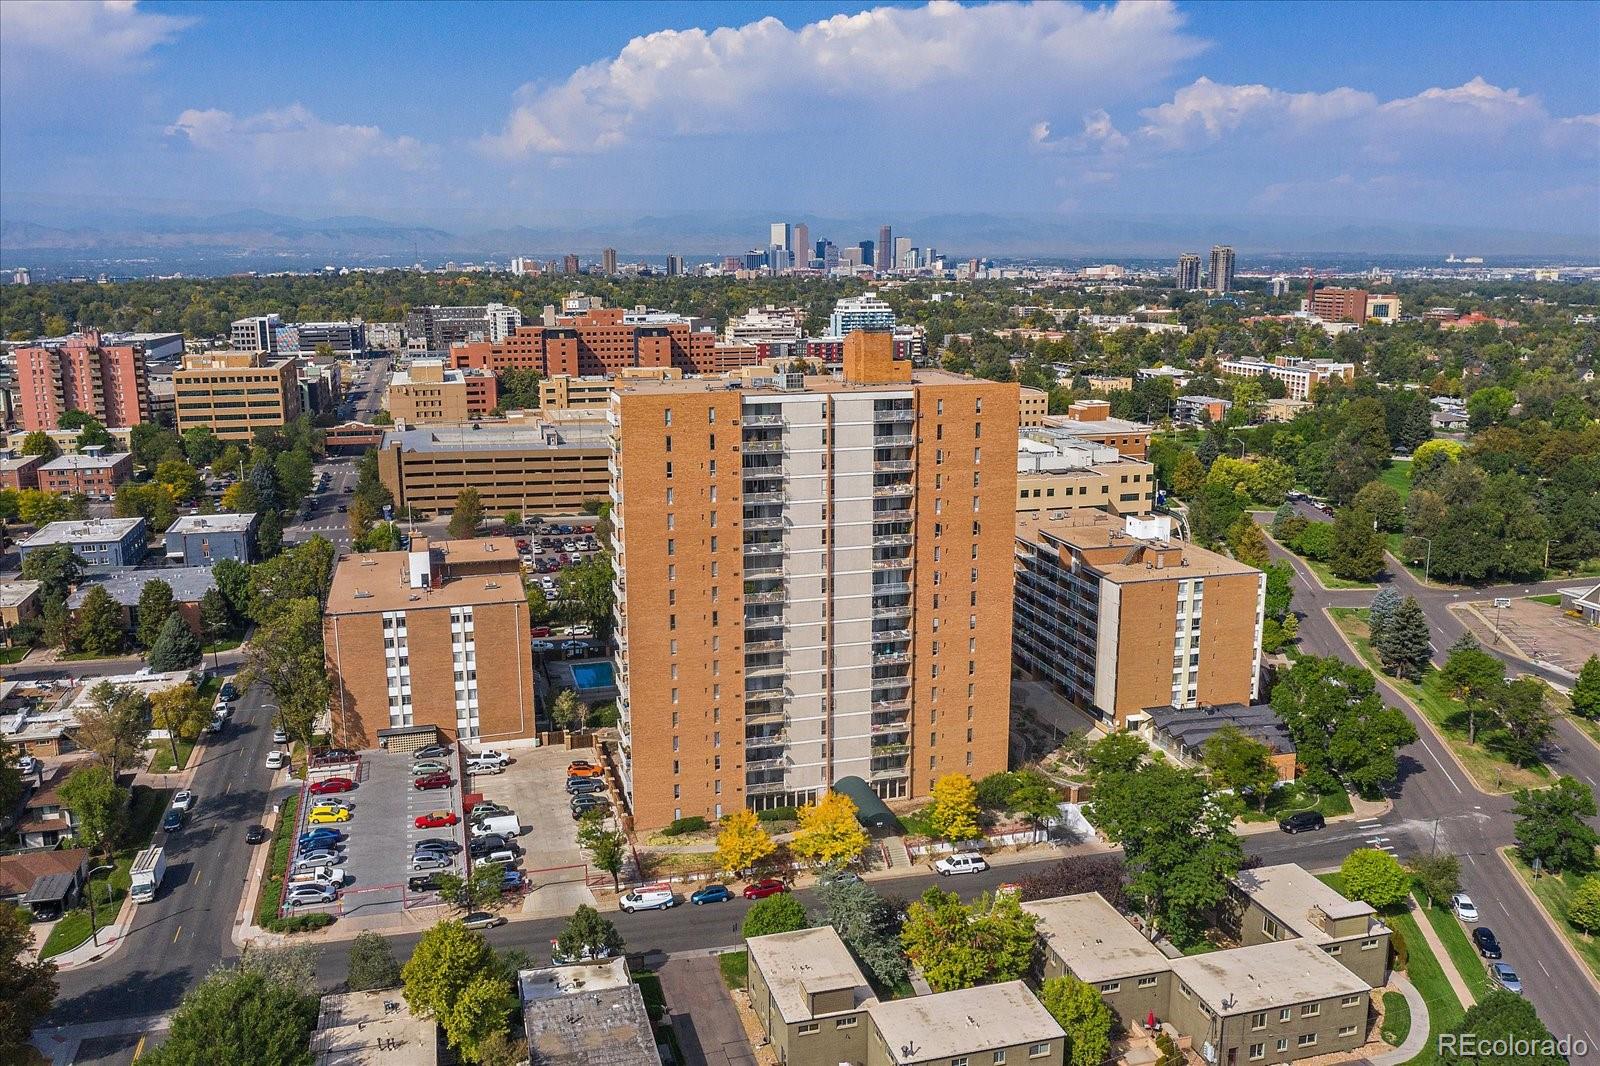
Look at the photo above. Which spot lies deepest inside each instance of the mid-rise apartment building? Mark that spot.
(99, 542)
(1057, 470)
(433, 636)
(259, 333)
(767, 325)
(563, 392)
(537, 466)
(233, 394)
(867, 311)
(80, 373)
(95, 473)
(1353, 305)
(600, 341)
(1299, 376)
(1119, 616)
(427, 392)
(1032, 406)
(812, 583)
(436, 329)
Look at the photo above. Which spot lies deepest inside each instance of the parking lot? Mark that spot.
(534, 786)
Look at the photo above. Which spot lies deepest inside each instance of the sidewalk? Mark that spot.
(1417, 1038)
(1440, 953)
(1360, 811)
(110, 941)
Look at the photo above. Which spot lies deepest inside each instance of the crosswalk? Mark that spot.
(1376, 840)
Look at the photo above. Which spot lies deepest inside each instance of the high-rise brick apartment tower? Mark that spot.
(813, 583)
(81, 374)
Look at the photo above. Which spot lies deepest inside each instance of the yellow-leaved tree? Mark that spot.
(954, 810)
(741, 842)
(828, 832)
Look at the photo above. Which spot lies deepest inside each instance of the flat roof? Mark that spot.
(805, 961)
(86, 462)
(1095, 939)
(1193, 726)
(1289, 893)
(16, 593)
(964, 1021)
(812, 383)
(1095, 425)
(83, 531)
(1263, 976)
(1088, 530)
(381, 581)
(351, 1026)
(213, 523)
(589, 1014)
(488, 436)
(188, 584)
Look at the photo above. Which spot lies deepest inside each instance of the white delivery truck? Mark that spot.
(149, 867)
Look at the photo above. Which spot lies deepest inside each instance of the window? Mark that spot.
(1368, 945)
(1183, 990)
(1306, 1039)
(1283, 1044)
(1310, 1010)
(845, 1023)
(1350, 1001)
(1347, 1030)
(960, 1061)
(1258, 1051)
(1110, 987)
(1038, 1051)
(1148, 982)
(1258, 1020)
(1285, 1014)
(807, 1028)
(1336, 949)
(999, 1058)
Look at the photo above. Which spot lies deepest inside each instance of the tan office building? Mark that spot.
(433, 636)
(1058, 470)
(813, 583)
(1032, 406)
(564, 392)
(536, 466)
(1119, 616)
(1091, 420)
(428, 393)
(233, 394)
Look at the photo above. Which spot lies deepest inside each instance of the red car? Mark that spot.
(332, 785)
(540, 631)
(436, 819)
(769, 886)
(427, 781)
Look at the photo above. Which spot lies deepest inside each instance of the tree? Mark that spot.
(1586, 692)
(742, 843)
(1583, 910)
(774, 914)
(1383, 504)
(1551, 827)
(1489, 406)
(177, 648)
(216, 621)
(233, 581)
(588, 936)
(1375, 877)
(466, 515)
(98, 628)
(1115, 753)
(1473, 676)
(1177, 840)
(155, 606)
(56, 569)
(1188, 476)
(1280, 590)
(1405, 645)
(1315, 541)
(608, 848)
(829, 831)
(1523, 724)
(1384, 604)
(1506, 1031)
(566, 710)
(151, 501)
(38, 442)
(1077, 1008)
(454, 976)
(1240, 763)
(1340, 725)
(236, 1017)
(10, 776)
(1105, 874)
(180, 711)
(1248, 542)
(586, 591)
(957, 945)
(27, 987)
(1357, 550)
(868, 924)
(181, 479)
(37, 507)
(286, 655)
(953, 812)
(98, 804)
(1439, 876)
(201, 446)
(114, 724)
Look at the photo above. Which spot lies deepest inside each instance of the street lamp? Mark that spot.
(1233, 436)
(1427, 563)
(88, 887)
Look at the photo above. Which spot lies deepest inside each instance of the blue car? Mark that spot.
(320, 838)
(173, 821)
(711, 894)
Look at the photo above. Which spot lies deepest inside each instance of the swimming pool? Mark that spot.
(593, 675)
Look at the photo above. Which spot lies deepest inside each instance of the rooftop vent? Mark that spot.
(362, 594)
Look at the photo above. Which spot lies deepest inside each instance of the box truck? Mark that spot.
(149, 867)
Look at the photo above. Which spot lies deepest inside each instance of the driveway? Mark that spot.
(703, 1015)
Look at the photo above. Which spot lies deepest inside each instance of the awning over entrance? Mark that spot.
(871, 811)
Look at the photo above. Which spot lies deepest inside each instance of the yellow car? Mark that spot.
(327, 815)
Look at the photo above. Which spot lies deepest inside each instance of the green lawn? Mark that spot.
(1469, 964)
(1396, 1018)
(223, 645)
(735, 966)
(1492, 772)
(161, 757)
(144, 814)
(1554, 893)
(1292, 798)
(277, 862)
(12, 656)
(916, 823)
(1325, 576)
(1444, 1009)
(1549, 601)
(1398, 477)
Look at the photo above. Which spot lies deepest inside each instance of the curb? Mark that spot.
(1549, 919)
(119, 930)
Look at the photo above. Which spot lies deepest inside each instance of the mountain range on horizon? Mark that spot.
(56, 234)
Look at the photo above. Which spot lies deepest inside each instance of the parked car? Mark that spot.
(839, 877)
(512, 881)
(482, 920)
(324, 837)
(485, 766)
(1483, 939)
(173, 821)
(315, 856)
(543, 646)
(327, 817)
(653, 898)
(436, 819)
(582, 805)
(423, 883)
(277, 760)
(574, 647)
(498, 857)
(428, 766)
(335, 803)
(431, 860)
(432, 751)
(227, 693)
(432, 781)
(280, 737)
(1465, 909)
(329, 756)
(256, 834)
(583, 768)
(331, 786)
(183, 800)
(711, 894)
(962, 862)
(1301, 822)
(309, 895)
(439, 844)
(767, 886)
(490, 754)
(577, 786)
(1505, 977)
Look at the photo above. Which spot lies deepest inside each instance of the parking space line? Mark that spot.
(176, 933)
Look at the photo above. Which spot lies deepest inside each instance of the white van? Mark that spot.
(506, 825)
(649, 898)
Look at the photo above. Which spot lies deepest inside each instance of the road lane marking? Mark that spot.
(176, 934)
(1547, 973)
(138, 1049)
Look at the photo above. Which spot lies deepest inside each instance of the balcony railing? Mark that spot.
(765, 472)
(762, 788)
(762, 715)
(763, 695)
(768, 547)
(773, 496)
(764, 670)
(761, 447)
(891, 610)
(764, 522)
(758, 598)
(761, 420)
(892, 635)
(897, 515)
(763, 645)
(767, 567)
(890, 658)
(893, 466)
(891, 588)
(894, 540)
(900, 414)
(902, 488)
(903, 563)
(880, 728)
(894, 440)
(767, 740)
(881, 773)
(765, 764)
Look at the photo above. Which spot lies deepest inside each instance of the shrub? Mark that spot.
(1399, 954)
(778, 814)
(692, 824)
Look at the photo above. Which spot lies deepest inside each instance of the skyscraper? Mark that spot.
(902, 253)
(1189, 271)
(608, 260)
(886, 260)
(780, 236)
(824, 605)
(867, 254)
(1221, 277)
(802, 245)
(674, 265)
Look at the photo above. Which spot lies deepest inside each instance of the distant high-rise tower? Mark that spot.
(1221, 278)
(608, 260)
(1280, 285)
(902, 253)
(885, 260)
(867, 257)
(802, 245)
(570, 264)
(1189, 271)
(674, 265)
(781, 235)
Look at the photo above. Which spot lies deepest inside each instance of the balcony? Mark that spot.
(764, 670)
(889, 635)
(884, 773)
(902, 563)
(898, 515)
(902, 610)
(763, 568)
(883, 728)
(761, 447)
(894, 440)
(763, 788)
(753, 646)
(893, 540)
(761, 420)
(891, 588)
(902, 488)
(767, 740)
(765, 764)
(882, 747)
(759, 598)
(764, 695)
(769, 471)
(890, 658)
(764, 522)
(898, 414)
(764, 547)
(773, 496)
(760, 715)
(893, 466)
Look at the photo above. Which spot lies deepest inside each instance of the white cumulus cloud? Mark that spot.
(85, 32)
(926, 60)
(294, 138)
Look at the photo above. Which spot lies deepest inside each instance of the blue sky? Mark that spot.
(468, 114)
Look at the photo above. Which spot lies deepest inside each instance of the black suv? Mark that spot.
(1483, 939)
(1301, 822)
(424, 883)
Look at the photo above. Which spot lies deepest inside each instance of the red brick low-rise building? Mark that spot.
(20, 472)
(94, 473)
